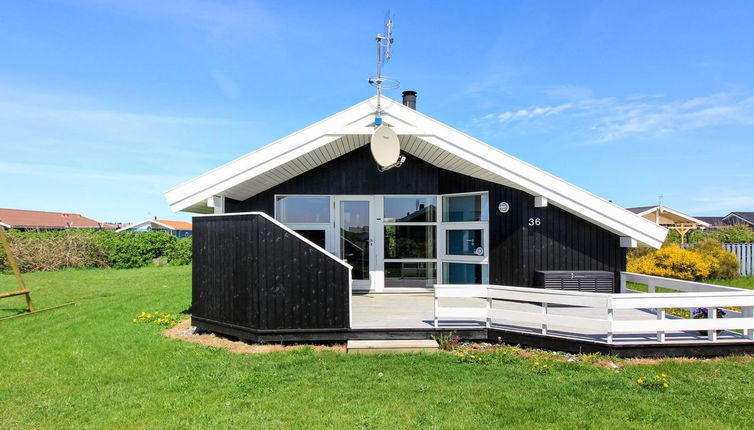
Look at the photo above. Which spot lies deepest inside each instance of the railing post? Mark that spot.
(651, 286)
(660, 333)
(623, 287)
(748, 312)
(489, 310)
(610, 322)
(712, 334)
(436, 305)
(544, 312)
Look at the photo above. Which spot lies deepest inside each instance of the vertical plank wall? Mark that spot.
(250, 272)
(562, 241)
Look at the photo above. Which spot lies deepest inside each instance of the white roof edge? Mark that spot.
(286, 228)
(177, 197)
(141, 223)
(737, 216)
(530, 178)
(5, 225)
(675, 212)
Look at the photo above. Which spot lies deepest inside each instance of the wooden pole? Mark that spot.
(16, 272)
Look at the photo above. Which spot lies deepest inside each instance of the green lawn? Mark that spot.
(742, 282)
(89, 366)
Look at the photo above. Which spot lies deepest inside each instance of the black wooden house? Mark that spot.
(295, 228)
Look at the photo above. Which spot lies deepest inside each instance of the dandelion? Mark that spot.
(665, 385)
(641, 381)
(536, 363)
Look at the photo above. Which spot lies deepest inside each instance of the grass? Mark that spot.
(741, 282)
(89, 366)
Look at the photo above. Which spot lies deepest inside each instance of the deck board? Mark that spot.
(416, 311)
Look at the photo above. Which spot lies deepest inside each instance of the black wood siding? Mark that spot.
(561, 242)
(251, 273)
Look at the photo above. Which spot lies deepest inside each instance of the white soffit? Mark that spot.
(676, 213)
(420, 136)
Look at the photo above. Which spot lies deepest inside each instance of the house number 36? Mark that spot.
(534, 221)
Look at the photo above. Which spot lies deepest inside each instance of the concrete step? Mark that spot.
(391, 346)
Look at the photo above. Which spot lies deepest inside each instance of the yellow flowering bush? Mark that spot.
(659, 382)
(159, 318)
(672, 262)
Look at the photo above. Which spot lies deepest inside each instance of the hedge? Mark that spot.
(55, 250)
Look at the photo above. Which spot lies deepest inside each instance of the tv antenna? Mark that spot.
(384, 53)
(385, 145)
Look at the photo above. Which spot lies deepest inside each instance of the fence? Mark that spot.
(603, 318)
(744, 252)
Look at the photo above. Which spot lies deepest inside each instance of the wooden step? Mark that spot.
(391, 346)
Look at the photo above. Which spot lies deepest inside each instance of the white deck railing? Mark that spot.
(603, 318)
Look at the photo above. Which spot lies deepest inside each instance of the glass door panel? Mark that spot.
(355, 236)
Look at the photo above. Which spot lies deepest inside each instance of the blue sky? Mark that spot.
(106, 104)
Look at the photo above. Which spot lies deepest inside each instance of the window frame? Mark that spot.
(327, 226)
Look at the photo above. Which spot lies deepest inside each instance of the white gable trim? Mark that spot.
(733, 214)
(676, 213)
(143, 223)
(503, 167)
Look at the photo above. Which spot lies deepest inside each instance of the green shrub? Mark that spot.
(733, 234)
(672, 237)
(180, 254)
(55, 250)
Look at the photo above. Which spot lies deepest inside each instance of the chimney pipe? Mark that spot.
(409, 99)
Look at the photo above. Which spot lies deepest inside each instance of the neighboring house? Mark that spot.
(28, 220)
(179, 229)
(114, 225)
(715, 222)
(300, 223)
(745, 218)
(671, 219)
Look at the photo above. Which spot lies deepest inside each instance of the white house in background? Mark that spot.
(178, 229)
(671, 219)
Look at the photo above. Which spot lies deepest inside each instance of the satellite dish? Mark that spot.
(386, 148)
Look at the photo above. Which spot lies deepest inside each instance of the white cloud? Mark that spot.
(721, 201)
(611, 119)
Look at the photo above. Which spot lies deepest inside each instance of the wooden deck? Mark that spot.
(414, 314)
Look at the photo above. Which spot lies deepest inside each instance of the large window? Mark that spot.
(465, 208)
(410, 275)
(464, 236)
(465, 273)
(410, 241)
(302, 209)
(464, 242)
(410, 209)
(308, 216)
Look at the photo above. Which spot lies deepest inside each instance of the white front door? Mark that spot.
(355, 234)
